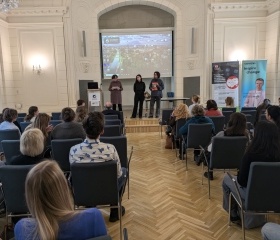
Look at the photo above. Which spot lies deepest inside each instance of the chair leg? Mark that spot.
(229, 207)
(208, 183)
(161, 131)
(120, 217)
(186, 159)
(242, 223)
(128, 186)
(202, 166)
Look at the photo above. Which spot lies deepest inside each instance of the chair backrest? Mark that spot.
(11, 148)
(260, 195)
(226, 109)
(249, 118)
(199, 135)
(227, 116)
(170, 94)
(21, 115)
(227, 152)
(61, 149)
(165, 116)
(95, 183)
(250, 112)
(12, 134)
(179, 123)
(56, 115)
(263, 117)
(120, 143)
(248, 108)
(13, 184)
(20, 119)
(23, 125)
(112, 122)
(219, 123)
(55, 122)
(122, 118)
(113, 130)
(111, 117)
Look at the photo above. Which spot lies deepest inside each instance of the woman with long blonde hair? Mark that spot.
(50, 202)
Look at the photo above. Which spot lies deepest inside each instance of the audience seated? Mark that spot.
(273, 115)
(271, 231)
(68, 129)
(229, 102)
(31, 148)
(198, 118)
(33, 112)
(51, 204)
(260, 109)
(236, 127)
(9, 118)
(212, 109)
(195, 101)
(81, 113)
(265, 147)
(109, 111)
(81, 102)
(92, 150)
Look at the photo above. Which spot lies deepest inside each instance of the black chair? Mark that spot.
(219, 123)
(260, 198)
(111, 117)
(113, 130)
(12, 134)
(56, 115)
(248, 108)
(165, 116)
(112, 122)
(227, 115)
(11, 148)
(13, 185)
(120, 143)
(60, 151)
(177, 136)
(23, 125)
(199, 136)
(55, 122)
(226, 109)
(21, 115)
(96, 184)
(20, 119)
(107, 237)
(252, 113)
(226, 153)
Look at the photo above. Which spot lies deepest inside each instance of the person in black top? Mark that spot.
(265, 147)
(32, 144)
(110, 111)
(139, 90)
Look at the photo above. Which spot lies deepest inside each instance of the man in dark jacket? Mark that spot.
(109, 111)
(156, 87)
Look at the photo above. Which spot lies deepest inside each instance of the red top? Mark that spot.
(213, 113)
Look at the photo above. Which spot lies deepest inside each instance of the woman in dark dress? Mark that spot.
(139, 90)
(116, 92)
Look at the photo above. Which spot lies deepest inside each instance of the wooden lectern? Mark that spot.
(95, 100)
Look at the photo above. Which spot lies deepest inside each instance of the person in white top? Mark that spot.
(255, 97)
(195, 101)
(9, 117)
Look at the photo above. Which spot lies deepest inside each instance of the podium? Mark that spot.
(95, 100)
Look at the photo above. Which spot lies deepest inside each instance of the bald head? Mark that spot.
(108, 105)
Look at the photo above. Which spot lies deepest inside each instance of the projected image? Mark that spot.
(131, 54)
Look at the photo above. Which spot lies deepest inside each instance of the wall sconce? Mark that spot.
(37, 69)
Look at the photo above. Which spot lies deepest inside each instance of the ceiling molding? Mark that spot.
(37, 11)
(249, 6)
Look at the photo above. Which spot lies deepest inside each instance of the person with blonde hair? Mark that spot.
(31, 148)
(229, 102)
(51, 205)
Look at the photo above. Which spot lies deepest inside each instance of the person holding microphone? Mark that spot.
(156, 87)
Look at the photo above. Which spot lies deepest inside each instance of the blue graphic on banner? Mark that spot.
(253, 82)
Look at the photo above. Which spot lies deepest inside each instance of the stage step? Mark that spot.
(143, 125)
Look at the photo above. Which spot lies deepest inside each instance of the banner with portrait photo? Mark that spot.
(225, 82)
(253, 82)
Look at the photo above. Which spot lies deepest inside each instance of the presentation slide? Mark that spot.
(129, 54)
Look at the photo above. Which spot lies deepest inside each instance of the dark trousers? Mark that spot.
(138, 99)
(152, 103)
(119, 107)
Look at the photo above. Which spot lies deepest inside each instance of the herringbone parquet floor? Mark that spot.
(166, 202)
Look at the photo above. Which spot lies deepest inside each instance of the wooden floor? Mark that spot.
(166, 202)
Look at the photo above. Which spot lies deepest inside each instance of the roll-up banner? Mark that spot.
(253, 82)
(225, 82)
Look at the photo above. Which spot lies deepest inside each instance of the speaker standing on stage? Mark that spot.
(116, 94)
(156, 87)
(139, 89)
